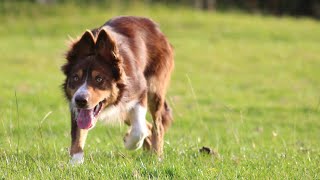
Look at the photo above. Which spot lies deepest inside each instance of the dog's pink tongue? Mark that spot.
(85, 118)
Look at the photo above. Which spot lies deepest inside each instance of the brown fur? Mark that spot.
(135, 60)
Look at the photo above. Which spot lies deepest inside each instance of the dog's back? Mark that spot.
(141, 39)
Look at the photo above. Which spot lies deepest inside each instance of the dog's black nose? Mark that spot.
(81, 101)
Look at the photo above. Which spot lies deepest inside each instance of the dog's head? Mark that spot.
(94, 76)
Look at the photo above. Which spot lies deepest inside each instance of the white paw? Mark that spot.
(77, 159)
(134, 139)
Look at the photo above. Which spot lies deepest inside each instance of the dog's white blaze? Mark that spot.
(139, 130)
(82, 90)
(77, 159)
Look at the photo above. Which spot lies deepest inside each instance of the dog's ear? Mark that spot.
(82, 48)
(107, 48)
(106, 45)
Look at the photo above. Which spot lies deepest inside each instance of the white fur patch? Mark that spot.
(116, 113)
(77, 159)
(139, 130)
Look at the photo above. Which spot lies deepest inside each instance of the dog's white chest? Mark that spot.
(116, 113)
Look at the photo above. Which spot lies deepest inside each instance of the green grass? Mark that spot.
(246, 86)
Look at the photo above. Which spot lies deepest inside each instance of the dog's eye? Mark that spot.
(75, 78)
(98, 79)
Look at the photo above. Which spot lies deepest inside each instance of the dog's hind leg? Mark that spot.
(78, 138)
(160, 111)
(157, 74)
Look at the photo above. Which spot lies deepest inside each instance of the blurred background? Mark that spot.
(276, 7)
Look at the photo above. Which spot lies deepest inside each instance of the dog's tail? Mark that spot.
(166, 116)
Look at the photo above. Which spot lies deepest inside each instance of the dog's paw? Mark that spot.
(133, 140)
(77, 159)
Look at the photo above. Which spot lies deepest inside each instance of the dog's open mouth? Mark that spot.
(88, 117)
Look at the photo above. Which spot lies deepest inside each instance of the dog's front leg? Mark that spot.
(78, 138)
(138, 131)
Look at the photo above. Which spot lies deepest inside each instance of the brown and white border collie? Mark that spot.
(117, 71)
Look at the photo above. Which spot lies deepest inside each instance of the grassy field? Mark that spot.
(246, 86)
